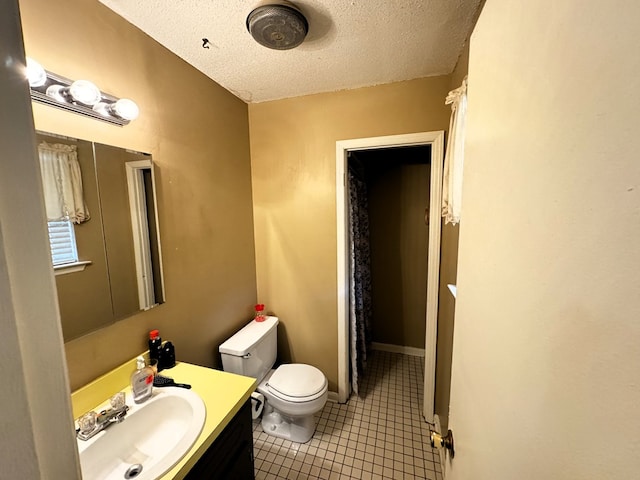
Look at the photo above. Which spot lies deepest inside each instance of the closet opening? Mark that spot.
(388, 219)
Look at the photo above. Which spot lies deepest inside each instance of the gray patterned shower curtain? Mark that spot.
(360, 309)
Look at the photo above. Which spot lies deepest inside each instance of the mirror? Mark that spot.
(118, 271)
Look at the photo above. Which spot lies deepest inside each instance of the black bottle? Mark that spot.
(167, 356)
(155, 346)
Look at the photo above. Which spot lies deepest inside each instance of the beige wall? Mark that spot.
(398, 196)
(448, 273)
(198, 135)
(293, 173)
(547, 341)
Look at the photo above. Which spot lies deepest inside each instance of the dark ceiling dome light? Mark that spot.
(280, 26)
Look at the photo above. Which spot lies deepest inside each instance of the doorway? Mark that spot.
(388, 229)
(434, 143)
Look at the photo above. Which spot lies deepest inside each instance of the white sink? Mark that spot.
(154, 435)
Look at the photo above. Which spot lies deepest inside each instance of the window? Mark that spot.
(62, 240)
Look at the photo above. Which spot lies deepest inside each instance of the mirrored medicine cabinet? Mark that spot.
(118, 271)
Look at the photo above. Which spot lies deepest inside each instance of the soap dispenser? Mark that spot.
(141, 381)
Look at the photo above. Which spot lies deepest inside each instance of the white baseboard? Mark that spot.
(333, 397)
(387, 347)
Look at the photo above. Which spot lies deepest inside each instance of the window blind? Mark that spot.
(62, 240)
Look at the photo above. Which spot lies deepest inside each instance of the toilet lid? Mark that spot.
(297, 380)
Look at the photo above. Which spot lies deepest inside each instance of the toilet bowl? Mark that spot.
(293, 393)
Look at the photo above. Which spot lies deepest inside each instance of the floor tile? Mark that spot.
(378, 434)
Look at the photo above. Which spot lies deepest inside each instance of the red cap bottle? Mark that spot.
(260, 317)
(155, 345)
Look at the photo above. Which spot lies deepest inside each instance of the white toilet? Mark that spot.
(293, 393)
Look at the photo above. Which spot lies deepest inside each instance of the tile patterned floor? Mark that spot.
(379, 434)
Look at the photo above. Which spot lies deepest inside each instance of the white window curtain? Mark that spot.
(454, 158)
(62, 182)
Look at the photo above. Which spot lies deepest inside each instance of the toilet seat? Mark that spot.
(297, 383)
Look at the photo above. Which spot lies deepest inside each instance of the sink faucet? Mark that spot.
(92, 423)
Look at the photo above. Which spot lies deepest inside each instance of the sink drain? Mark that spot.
(133, 471)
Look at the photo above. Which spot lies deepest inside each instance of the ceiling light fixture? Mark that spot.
(279, 26)
(80, 96)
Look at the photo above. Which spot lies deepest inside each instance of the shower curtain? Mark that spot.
(360, 309)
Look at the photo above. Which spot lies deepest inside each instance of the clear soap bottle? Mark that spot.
(141, 381)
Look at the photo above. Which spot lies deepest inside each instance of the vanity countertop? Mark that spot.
(223, 394)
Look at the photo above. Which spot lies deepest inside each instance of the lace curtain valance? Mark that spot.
(454, 158)
(62, 182)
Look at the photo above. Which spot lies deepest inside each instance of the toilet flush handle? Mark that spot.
(248, 355)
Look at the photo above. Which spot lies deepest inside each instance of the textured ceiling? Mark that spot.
(351, 43)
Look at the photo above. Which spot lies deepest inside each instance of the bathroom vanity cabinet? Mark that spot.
(226, 438)
(230, 457)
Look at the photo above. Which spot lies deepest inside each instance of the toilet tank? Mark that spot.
(252, 350)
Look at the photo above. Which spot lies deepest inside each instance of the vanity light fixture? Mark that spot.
(80, 96)
(123, 108)
(36, 75)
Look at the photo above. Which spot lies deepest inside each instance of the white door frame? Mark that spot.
(436, 140)
(140, 229)
(148, 286)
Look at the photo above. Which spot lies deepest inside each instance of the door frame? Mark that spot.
(436, 140)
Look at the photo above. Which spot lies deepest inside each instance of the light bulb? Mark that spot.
(102, 108)
(56, 92)
(84, 91)
(126, 109)
(36, 74)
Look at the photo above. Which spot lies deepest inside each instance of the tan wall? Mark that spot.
(448, 274)
(293, 145)
(398, 196)
(198, 135)
(547, 341)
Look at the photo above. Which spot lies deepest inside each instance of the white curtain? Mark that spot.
(454, 158)
(62, 182)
